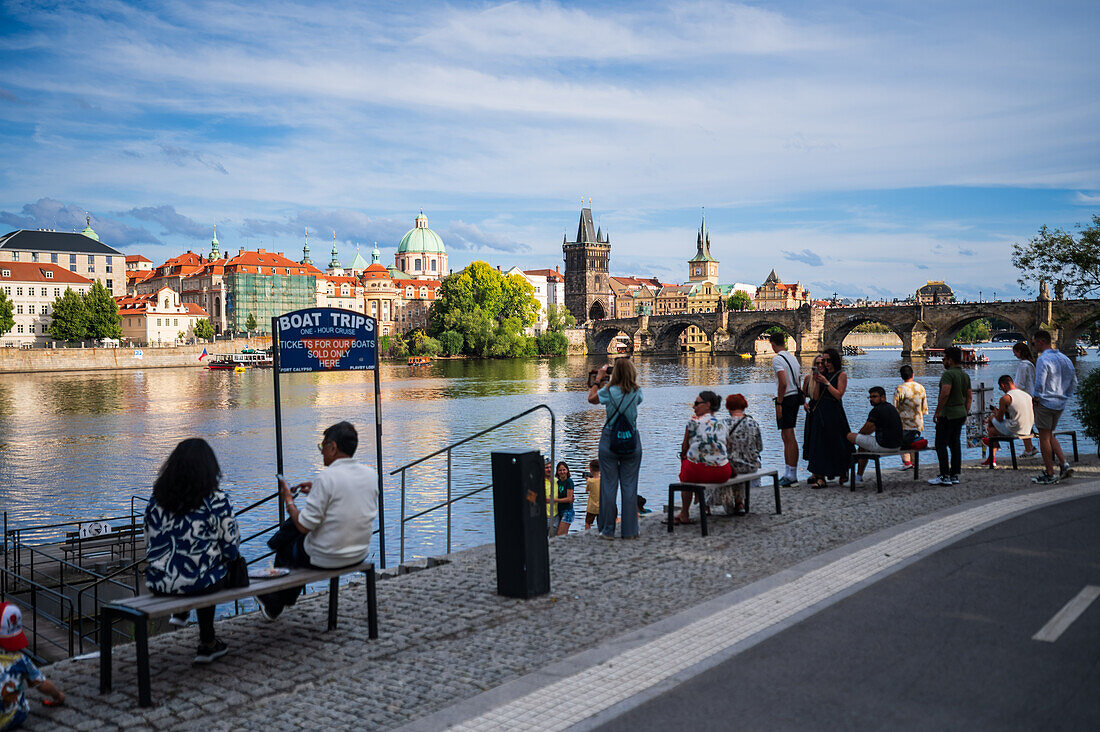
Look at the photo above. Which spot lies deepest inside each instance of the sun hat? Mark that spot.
(11, 628)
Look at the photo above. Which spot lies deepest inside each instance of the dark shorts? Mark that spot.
(788, 417)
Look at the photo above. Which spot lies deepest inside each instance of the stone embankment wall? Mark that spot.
(17, 360)
(577, 344)
(873, 340)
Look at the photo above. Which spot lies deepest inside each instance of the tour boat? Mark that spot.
(970, 357)
(419, 360)
(235, 361)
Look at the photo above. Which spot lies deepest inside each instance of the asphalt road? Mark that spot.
(945, 643)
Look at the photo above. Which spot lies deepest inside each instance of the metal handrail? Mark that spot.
(451, 500)
(35, 589)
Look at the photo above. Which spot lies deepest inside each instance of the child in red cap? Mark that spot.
(17, 670)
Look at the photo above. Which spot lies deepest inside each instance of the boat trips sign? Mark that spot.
(326, 339)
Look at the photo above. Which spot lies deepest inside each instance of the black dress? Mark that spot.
(829, 452)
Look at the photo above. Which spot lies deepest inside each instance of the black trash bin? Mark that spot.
(519, 516)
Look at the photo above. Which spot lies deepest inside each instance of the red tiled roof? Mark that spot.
(36, 272)
(137, 258)
(262, 262)
(134, 304)
(193, 309)
(550, 274)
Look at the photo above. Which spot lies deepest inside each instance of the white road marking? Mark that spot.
(1065, 617)
(631, 672)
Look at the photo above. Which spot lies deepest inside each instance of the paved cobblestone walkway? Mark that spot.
(445, 636)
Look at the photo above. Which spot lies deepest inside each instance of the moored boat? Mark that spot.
(970, 357)
(419, 360)
(235, 361)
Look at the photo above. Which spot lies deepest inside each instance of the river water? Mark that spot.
(80, 445)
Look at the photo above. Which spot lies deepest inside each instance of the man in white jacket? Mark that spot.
(1055, 381)
(335, 524)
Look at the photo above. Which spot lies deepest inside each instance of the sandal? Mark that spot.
(818, 484)
(682, 522)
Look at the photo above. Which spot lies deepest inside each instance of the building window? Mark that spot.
(72, 268)
(15, 256)
(72, 259)
(45, 310)
(34, 256)
(158, 321)
(18, 309)
(7, 289)
(18, 290)
(433, 265)
(19, 328)
(7, 273)
(91, 259)
(110, 285)
(57, 292)
(108, 269)
(417, 266)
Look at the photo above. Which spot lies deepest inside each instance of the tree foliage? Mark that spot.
(489, 310)
(451, 341)
(1088, 404)
(204, 329)
(1061, 258)
(70, 317)
(974, 332)
(103, 320)
(7, 322)
(552, 343)
(250, 323)
(740, 300)
(421, 344)
(558, 318)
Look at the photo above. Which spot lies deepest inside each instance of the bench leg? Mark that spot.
(372, 606)
(878, 473)
(106, 618)
(701, 492)
(1073, 436)
(852, 476)
(748, 494)
(778, 505)
(671, 508)
(333, 601)
(141, 638)
(1012, 451)
(916, 465)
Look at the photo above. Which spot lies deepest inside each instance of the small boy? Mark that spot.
(17, 671)
(592, 485)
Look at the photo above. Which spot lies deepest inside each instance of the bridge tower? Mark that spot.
(587, 290)
(703, 267)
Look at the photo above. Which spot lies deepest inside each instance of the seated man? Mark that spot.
(882, 431)
(334, 527)
(1013, 417)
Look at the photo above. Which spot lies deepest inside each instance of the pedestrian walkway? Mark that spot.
(626, 674)
(446, 638)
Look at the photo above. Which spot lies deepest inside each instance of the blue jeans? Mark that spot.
(618, 472)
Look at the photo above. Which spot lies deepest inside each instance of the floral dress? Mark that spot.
(911, 402)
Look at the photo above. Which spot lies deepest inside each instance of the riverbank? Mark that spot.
(445, 636)
(46, 360)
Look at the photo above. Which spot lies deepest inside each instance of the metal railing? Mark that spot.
(34, 589)
(451, 500)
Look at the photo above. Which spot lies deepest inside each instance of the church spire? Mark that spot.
(305, 250)
(214, 253)
(335, 263)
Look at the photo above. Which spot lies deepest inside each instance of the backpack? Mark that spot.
(623, 436)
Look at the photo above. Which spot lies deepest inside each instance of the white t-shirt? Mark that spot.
(1025, 376)
(1020, 415)
(339, 513)
(788, 364)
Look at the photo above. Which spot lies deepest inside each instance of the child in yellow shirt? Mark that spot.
(592, 485)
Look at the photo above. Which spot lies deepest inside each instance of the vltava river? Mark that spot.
(80, 445)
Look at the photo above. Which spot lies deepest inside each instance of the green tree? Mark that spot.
(103, 320)
(558, 318)
(250, 323)
(421, 344)
(740, 300)
(553, 343)
(489, 309)
(451, 341)
(70, 317)
(7, 322)
(974, 332)
(1062, 258)
(204, 329)
(395, 346)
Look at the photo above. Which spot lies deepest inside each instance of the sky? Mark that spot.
(857, 147)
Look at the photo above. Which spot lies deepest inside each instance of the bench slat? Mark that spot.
(158, 606)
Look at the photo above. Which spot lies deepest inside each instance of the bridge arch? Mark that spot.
(599, 340)
(835, 337)
(667, 337)
(745, 340)
(1072, 328)
(945, 334)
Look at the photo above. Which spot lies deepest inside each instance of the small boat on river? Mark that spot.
(240, 361)
(970, 357)
(419, 360)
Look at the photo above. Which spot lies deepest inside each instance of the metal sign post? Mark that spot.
(329, 339)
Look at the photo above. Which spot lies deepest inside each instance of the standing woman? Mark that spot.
(830, 452)
(812, 390)
(191, 535)
(1025, 381)
(620, 396)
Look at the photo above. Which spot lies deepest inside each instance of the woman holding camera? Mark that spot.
(829, 452)
(620, 445)
(191, 536)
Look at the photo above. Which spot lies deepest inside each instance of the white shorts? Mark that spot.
(868, 442)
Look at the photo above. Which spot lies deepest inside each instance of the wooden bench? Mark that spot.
(877, 455)
(1011, 440)
(700, 490)
(140, 610)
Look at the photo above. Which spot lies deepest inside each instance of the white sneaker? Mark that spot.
(859, 478)
(1066, 471)
(955, 479)
(1029, 455)
(180, 622)
(940, 480)
(906, 467)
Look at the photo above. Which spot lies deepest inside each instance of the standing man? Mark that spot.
(334, 527)
(911, 401)
(788, 402)
(952, 406)
(1055, 381)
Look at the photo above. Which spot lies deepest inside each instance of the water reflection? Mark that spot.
(80, 444)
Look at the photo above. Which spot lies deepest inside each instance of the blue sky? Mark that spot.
(858, 147)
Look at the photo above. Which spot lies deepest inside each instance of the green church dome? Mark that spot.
(421, 239)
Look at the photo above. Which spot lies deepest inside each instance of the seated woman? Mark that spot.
(744, 444)
(703, 457)
(191, 535)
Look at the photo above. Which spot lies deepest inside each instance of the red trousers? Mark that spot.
(701, 473)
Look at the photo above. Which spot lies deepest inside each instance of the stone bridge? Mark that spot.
(815, 329)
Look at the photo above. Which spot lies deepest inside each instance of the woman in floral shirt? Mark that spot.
(191, 535)
(703, 457)
(744, 446)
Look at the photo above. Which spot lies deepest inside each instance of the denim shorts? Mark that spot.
(567, 516)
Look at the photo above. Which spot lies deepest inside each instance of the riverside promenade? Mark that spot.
(446, 638)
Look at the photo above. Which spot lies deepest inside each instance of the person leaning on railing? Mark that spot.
(191, 536)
